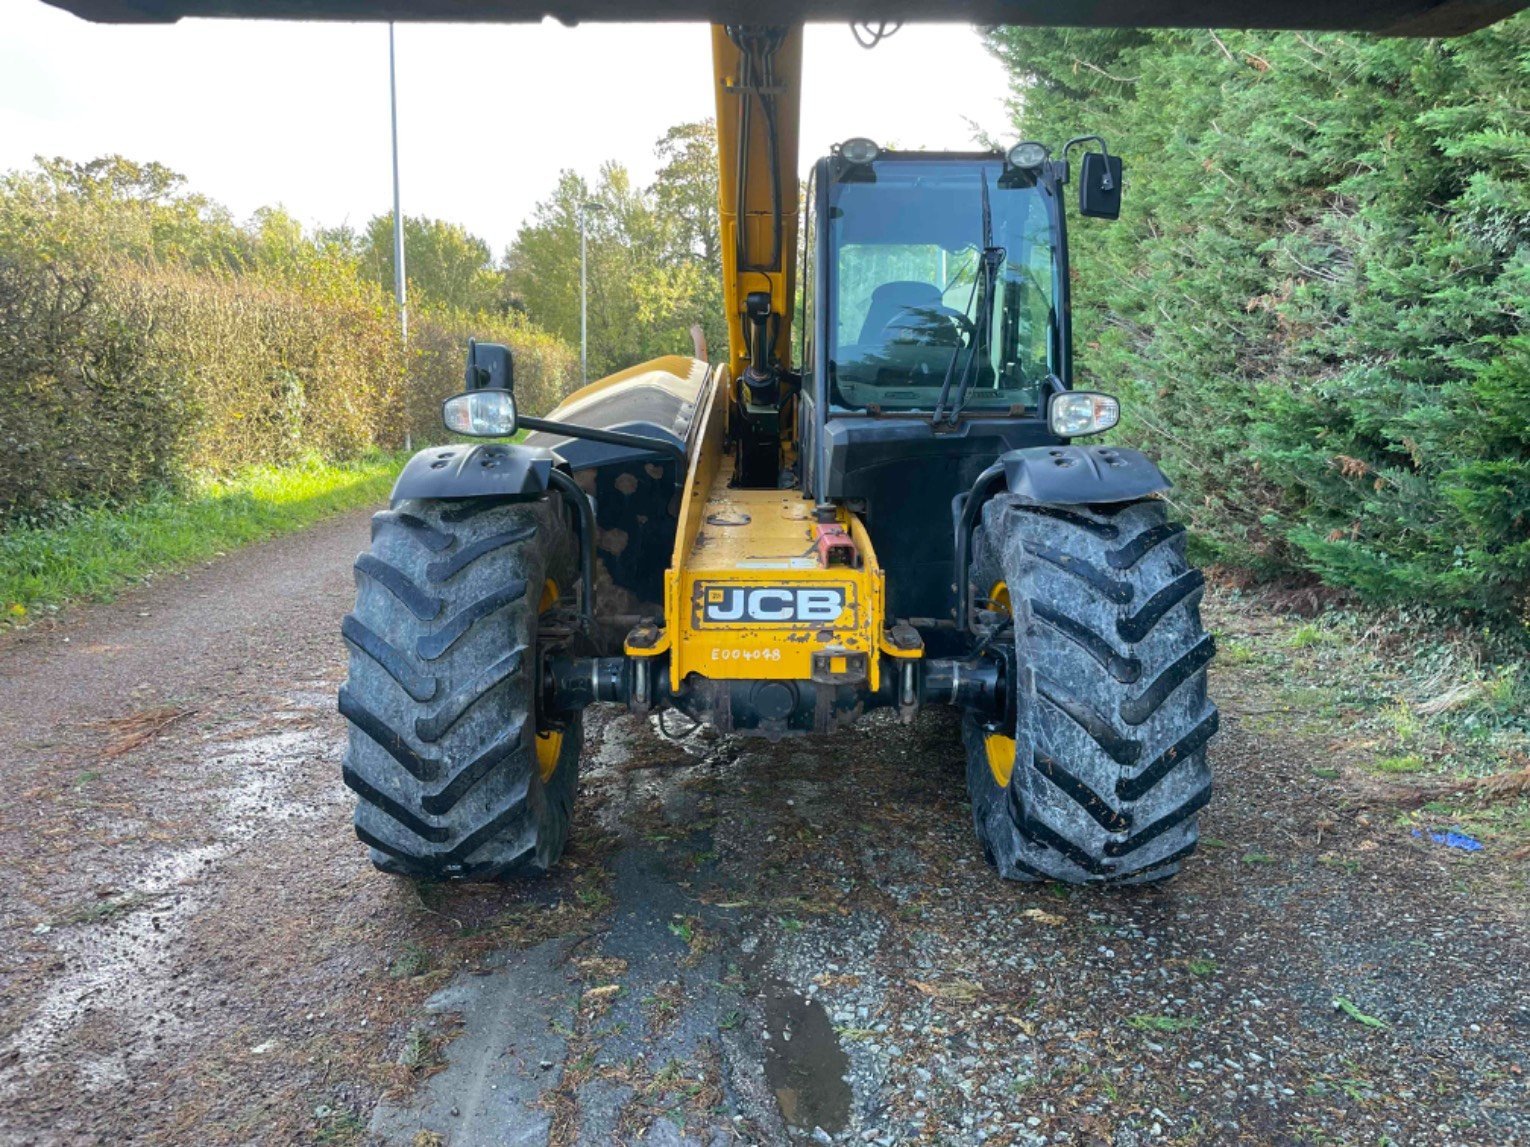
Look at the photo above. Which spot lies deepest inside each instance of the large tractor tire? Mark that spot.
(1102, 774)
(456, 777)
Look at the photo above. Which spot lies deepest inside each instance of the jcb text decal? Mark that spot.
(732, 604)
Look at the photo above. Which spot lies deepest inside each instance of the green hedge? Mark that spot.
(145, 340)
(1315, 301)
(86, 408)
(546, 367)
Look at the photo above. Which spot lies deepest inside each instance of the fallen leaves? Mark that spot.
(955, 991)
(1041, 916)
(136, 729)
(832, 980)
(1348, 1007)
(606, 968)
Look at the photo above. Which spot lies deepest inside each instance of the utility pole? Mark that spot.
(400, 289)
(584, 294)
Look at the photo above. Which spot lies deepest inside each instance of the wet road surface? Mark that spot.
(747, 943)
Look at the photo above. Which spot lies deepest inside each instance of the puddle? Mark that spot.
(122, 966)
(804, 1064)
(265, 769)
(126, 967)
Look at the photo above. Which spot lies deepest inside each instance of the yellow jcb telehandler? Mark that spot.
(883, 498)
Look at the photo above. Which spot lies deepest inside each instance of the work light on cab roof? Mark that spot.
(1028, 154)
(859, 150)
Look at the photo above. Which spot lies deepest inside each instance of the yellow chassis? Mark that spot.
(732, 545)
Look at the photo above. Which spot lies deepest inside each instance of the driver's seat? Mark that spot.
(891, 299)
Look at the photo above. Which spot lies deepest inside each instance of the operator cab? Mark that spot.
(925, 296)
(933, 329)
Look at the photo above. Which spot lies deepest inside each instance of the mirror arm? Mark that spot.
(1080, 140)
(610, 437)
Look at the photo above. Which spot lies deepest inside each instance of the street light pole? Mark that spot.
(584, 295)
(400, 288)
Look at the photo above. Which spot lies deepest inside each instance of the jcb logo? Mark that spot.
(772, 605)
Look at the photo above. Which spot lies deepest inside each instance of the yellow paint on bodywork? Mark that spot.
(550, 743)
(730, 539)
(759, 210)
(762, 540)
(1000, 749)
(1001, 757)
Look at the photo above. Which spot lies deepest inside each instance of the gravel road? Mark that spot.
(747, 943)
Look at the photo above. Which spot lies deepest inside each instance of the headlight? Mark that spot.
(1028, 154)
(481, 413)
(1075, 413)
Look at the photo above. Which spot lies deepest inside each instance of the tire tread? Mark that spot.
(439, 696)
(1111, 718)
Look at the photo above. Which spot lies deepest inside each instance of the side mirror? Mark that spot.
(486, 408)
(1099, 185)
(489, 367)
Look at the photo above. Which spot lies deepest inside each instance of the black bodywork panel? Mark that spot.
(1389, 17)
(480, 470)
(1081, 475)
(906, 474)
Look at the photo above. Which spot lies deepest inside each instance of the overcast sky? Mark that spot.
(258, 113)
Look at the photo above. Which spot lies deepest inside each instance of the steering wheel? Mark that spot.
(929, 325)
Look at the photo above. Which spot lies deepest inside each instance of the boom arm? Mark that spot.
(758, 75)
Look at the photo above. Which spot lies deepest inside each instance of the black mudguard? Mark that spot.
(1081, 475)
(490, 469)
(1050, 476)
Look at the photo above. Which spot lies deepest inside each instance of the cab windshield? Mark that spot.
(910, 288)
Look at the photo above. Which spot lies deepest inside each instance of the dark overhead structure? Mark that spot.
(1385, 17)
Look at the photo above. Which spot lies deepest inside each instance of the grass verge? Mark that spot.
(1419, 717)
(92, 553)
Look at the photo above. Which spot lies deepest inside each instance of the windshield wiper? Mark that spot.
(989, 262)
(982, 335)
(945, 386)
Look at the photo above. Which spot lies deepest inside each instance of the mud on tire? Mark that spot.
(443, 753)
(1107, 765)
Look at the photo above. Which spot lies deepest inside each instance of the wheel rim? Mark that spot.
(549, 748)
(1001, 757)
(999, 748)
(550, 742)
(998, 597)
